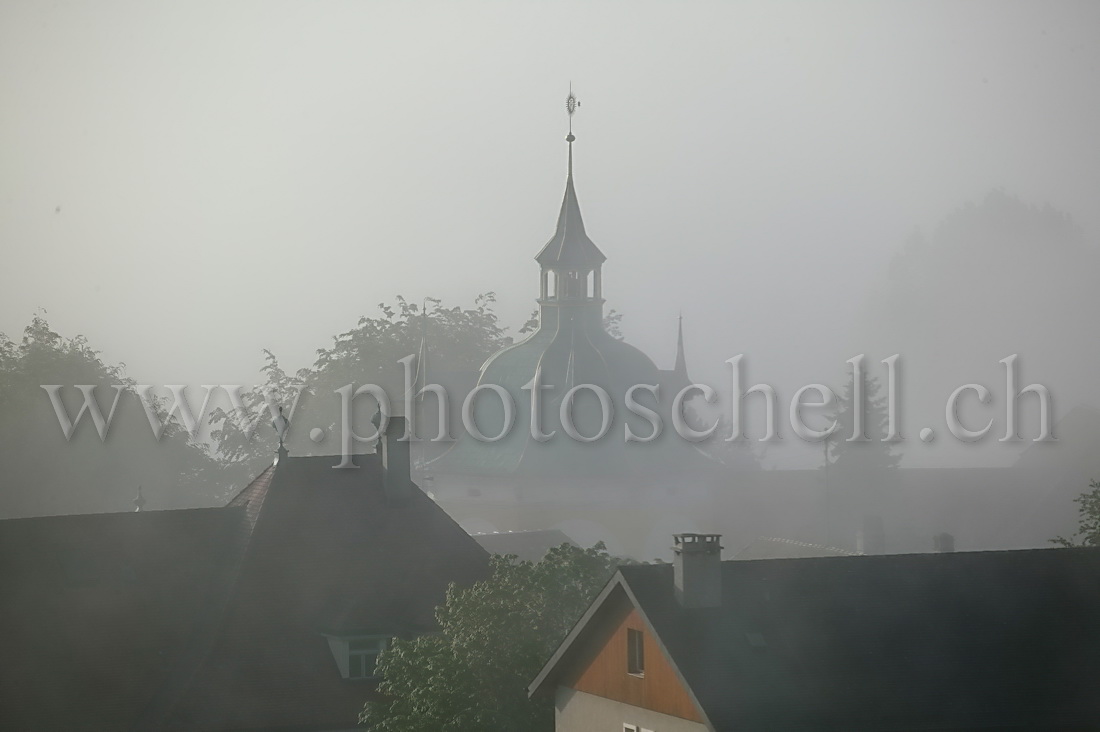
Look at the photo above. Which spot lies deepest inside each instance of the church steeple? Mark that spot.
(570, 261)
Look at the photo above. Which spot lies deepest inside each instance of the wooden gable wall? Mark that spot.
(602, 671)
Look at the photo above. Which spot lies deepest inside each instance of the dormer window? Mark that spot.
(363, 656)
(356, 656)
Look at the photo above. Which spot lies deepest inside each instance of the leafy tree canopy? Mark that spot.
(45, 473)
(459, 339)
(496, 635)
(1088, 512)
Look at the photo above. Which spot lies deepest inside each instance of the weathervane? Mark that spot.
(571, 105)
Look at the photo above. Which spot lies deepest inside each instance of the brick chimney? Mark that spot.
(697, 570)
(943, 543)
(396, 469)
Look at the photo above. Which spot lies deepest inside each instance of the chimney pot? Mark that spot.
(697, 570)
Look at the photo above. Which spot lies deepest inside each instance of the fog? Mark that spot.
(187, 184)
(301, 211)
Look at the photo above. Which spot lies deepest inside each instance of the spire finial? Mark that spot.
(282, 426)
(571, 105)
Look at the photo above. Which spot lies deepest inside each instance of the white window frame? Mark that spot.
(365, 659)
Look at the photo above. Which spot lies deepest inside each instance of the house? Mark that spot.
(1003, 640)
(265, 614)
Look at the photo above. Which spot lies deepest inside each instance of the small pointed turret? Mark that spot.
(680, 369)
(139, 501)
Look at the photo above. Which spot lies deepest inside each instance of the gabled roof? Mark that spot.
(329, 555)
(251, 497)
(917, 641)
(216, 619)
(570, 246)
(96, 609)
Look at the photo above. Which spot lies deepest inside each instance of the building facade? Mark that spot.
(945, 641)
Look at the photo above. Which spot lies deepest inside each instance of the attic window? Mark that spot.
(357, 655)
(635, 652)
(363, 655)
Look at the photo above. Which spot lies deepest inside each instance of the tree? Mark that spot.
(736, 455)
(244, 453)
(460, 339)
(496, 635)
(1088, 512)
(44, 473)
(858, 476)
(872, 455)
(933, 302)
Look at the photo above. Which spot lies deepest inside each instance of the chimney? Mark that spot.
(697, 570)
(943, 543)
(872, 537)
(396, 469)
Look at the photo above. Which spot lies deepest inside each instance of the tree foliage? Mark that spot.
(1088, 513)
(43, 473)
(459, 339)
(737, 455)
(873, 455)
(496, 635)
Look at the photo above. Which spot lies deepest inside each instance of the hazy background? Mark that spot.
(188, 183)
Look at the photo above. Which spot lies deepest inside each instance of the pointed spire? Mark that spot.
(422, 362)
(139, 501)
(681, 361)
(570, 247)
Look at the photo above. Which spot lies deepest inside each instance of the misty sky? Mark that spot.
(188, 183)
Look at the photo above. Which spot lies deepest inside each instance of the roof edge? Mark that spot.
(618, 580)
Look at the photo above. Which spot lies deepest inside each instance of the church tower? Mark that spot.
(570, 263)
(570, 348)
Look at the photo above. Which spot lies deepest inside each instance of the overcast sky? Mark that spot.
(188, 183)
